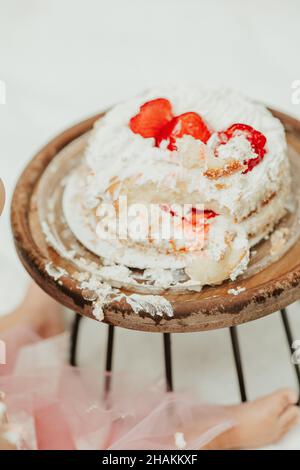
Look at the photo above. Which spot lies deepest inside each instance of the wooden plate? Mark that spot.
(273, 288)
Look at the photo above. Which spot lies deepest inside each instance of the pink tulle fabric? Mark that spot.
(61, 407)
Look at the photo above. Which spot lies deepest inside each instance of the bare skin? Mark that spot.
(37, 310)
(258, 423)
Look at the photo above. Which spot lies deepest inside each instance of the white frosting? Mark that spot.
(236, 291)
(54, 271)
(238, 148)
(96, 284)
(115, 150)
(120, 162)
(152, 304)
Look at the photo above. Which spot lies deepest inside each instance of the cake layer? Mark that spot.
(216, 152)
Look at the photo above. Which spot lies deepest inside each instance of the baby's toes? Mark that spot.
(283, 399)
(289, 418)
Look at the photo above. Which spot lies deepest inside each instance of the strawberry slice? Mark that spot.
(152, 116)
(166, 133)
(256, 139)
(199, 215)
(184, 124)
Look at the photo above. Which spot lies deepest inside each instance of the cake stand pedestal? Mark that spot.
(270, 290)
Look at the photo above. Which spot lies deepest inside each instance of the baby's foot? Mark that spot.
(260, 422)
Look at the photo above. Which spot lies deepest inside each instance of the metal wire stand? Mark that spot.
(168, 354)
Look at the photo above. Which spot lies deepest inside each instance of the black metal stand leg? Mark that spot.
(238, 362)
(109, 359)
(289, 336)
(168, 362)
(74, 339)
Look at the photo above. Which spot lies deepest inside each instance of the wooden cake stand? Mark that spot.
(271, 289)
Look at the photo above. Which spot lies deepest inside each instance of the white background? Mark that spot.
(63, 60)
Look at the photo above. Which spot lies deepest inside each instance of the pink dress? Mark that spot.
(56, 406)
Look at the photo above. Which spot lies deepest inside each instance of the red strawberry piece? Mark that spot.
(184, 124)
(209, 214)
(152, 116)
(192, 124)
(256, 139)
(196, 214)
(199, 215)
(166, 133)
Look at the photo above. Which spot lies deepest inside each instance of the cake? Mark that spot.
(211, 166)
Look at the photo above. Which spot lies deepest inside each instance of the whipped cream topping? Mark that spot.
(238, 148)
(120, 162)
(115, 150)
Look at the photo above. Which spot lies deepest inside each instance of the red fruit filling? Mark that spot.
(256, 139)
(201, 214)
(196, 215)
